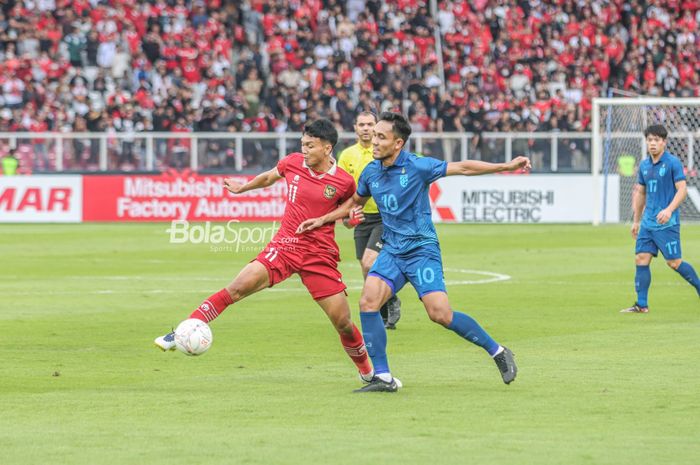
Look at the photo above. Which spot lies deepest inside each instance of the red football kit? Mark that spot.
(314, 255)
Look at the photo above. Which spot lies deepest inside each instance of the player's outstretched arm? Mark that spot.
(475, 167)
(341, 212)
(265, 179)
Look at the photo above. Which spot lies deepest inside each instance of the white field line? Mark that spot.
(489, 277)
(353, 284)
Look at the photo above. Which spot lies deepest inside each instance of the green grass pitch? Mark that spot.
(81, 383)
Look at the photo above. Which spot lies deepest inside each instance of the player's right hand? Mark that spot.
(233, 186)
(357, 216)
(635, 230)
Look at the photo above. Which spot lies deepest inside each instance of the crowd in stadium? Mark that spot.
(253, 65)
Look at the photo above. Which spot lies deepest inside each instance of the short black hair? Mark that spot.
(399, 124)
(656, 130)
(323, 129)
(365, 113)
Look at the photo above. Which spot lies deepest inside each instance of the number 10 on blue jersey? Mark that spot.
(390, 202)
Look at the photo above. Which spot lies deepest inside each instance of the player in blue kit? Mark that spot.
(661, 187)
(399, 182)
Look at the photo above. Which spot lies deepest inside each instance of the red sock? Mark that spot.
(213, 306)
(354, 345)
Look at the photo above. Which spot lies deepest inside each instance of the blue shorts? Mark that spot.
(667, 240)
(421, 267)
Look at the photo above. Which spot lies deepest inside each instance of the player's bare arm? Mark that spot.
(475, 167)
(639, 198)
(341, 212)
(265, 179)
(681, 193)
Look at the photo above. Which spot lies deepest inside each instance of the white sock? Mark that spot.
(500, 349)
(385, 377)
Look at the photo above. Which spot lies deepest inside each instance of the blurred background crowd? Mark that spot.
(269, 66)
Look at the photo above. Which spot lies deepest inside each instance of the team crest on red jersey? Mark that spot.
(329, 192)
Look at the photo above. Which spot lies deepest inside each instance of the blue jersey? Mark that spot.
(660, 180)
(401, 193)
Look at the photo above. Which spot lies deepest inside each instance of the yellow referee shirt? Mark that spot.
(353, 160)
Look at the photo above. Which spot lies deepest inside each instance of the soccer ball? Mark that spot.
(193, 337)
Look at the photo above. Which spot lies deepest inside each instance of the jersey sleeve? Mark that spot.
(282, 165)
(431, 169)
(640, 177)
(678, 172)
(363, 184)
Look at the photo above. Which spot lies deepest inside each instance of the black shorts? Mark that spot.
(368, 234)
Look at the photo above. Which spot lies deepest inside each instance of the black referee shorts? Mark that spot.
(368, 234)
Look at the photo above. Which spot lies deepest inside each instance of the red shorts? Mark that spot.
(318, 270)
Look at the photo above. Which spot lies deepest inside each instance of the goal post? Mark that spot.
(618, 147)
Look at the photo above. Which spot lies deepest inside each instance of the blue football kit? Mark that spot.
(411, 250)
(659, 180)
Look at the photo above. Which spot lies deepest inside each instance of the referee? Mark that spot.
(368, 233)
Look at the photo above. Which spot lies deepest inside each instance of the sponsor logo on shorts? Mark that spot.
(329, 192)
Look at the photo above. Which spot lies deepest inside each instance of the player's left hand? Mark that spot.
(233, 186)
(519, 163)
(663, 216)
(309, 225)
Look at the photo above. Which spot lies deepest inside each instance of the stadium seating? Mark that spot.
(253, 65)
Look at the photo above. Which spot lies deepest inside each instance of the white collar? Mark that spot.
(331, 171)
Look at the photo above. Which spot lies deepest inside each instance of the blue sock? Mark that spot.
(469, 329)
(375, 340)
(688, 272)
(642, 281)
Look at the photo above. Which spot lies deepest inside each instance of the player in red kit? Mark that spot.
(316, 186)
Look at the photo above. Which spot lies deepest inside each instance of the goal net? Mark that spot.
(618, 147)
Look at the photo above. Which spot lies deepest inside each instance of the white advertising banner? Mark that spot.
(521, 199)
(41, 199)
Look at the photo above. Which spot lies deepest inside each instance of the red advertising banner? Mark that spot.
(169, 197)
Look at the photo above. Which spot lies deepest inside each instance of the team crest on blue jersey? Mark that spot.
(662, 170)
(403, 180)
(329, 191)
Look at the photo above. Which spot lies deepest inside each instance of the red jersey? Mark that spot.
(310, 195)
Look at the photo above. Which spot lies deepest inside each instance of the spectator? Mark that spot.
(10, 163)
(508, 66)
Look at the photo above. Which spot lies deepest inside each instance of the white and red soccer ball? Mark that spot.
(193, 337)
